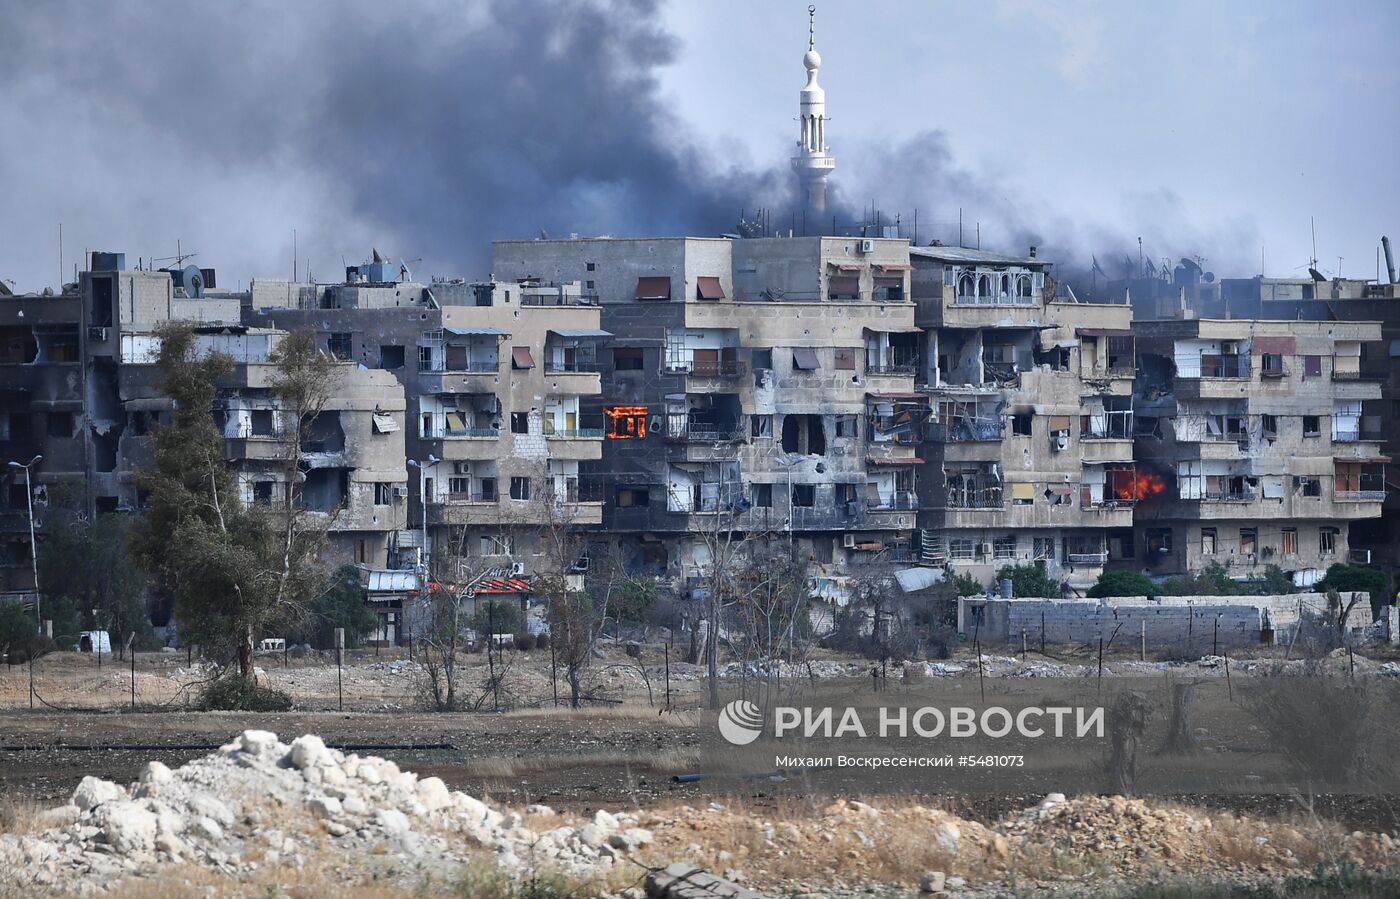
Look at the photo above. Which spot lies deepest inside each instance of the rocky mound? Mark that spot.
(259, 802)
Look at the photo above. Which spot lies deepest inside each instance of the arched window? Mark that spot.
(966, 286)
(1023, 286)
(1005, 285)
(984, 285)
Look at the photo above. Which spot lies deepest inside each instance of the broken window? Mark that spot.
(804, 434)
(627, 358)
(60, 424)
(1249, 541)
(1288, 541)
(1268, 425)
(520, 422)
(1159, 541)
(341, 346)
(260, 423)
(804, 495)
(761, 425)
(497, 544)
(19, 425)
(1327, 541)
(1308, 486)
(762, 359)
(846, 426)
(101, 316)
(763, 496)
(626, 422)
(631, 497)
(383, 493)
(1042, 547)
(391, 356)
(1207, 541)
(1021, 424)
(520, 488)
(844, 359)
(1312, 425)
(262, 493)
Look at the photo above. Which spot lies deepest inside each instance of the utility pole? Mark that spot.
(33, 546)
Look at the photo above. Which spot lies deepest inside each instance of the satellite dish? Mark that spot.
(1209, 277)
(1317, 275)
(192, 279)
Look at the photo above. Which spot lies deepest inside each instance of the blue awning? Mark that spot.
(475, 332)
(579, 332)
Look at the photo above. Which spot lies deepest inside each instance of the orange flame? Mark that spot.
(1128, 484)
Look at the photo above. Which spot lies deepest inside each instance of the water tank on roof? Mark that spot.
(108, 262)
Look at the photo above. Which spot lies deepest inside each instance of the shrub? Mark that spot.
(524, 642)
(1123, 583)
(233, 693)
(542, 641)
(1344, 578)
(33, 646)
(1213, 580)
(965, 584)
(1030, 580)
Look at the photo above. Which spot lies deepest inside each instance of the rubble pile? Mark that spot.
(259, 802)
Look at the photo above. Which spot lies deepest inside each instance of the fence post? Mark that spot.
(1215, 641)
(1142, 651)
(339, 649)
(31, 681)
(668, 675)
(131, 651)
(1042, 633)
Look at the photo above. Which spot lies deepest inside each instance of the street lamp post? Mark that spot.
(33, 546)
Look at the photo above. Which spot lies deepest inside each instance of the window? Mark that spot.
(1023, 494)
(383, 493)
(458, 486)
(497, 545)
(425, 358)
(19, 425)
(60, 424)
(804, 495)
(1207, 541)
(391, 356)
(1159, 541)
(763, 496)
(1272, 365)
(262, 493)
(260, 421)
(519, 487)
(1004, 547)
(488, 490)
(1268, 424)
(845, 493)
(962, 549)
(1042, 547)
(632, 497)
(1312, 366)
(1312, 425)
(1249, 541)
(1308, 486)
(626, 422)
(845, 359)
(1327, 541)
(846, 426)
(627, 358)
(762, 359)
(520, 422)
(341, 346)
(589, 285)
(362, 552)
(520, 358)
(1021, 424)
(592, 266)
(1288, 543)
(761, 425)
(804, 358)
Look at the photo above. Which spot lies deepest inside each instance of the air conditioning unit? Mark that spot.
(97, 334)
(1059, 441)
(865, 245)
(400, 492)
(461, 468)
(517, 569)
(848, 541)
(984, 549)
(580, 564)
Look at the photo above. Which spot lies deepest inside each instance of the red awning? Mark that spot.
(1283, 346)
(897, 396)
(504, 585)
(908, 460)
(708, 288)
(520, 357)
(1102, 332)
(1369, 460)
(894, 267)
(804, 358)
(654, 288)
(846, 266)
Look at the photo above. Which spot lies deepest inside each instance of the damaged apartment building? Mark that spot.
(762, 386)
(1261, 433)
(1028, 454)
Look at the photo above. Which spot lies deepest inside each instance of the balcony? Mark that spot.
(1240, 496)
(978, 498)
(716, 368)
(894, 369)
(465, 434)
(1215, 366)
(898, 502)
(558, 298)
(691, 431)
(966, 430)
(471, 367)
(1359, 496)
(477, 497)
(553, 433)
(1087, 558)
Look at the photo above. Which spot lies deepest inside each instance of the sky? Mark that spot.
(1210, 129)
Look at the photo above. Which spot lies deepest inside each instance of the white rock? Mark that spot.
(207, 806)
(631, 839)
(433, 793)
(156, 773)
(947, 835)
(309, 751)
(207, 829)
(956, 883)
(931, 882)
(258, 742)
(324, 806)
(92, 792)
(538, 810)
(59, 817)
(392, 820)
(126, 827)
(354, 805)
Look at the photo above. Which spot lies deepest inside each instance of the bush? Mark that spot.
(524, 642)
(965, 584)
(33, 646)
(1213, 580)
(542, 641)
(16, 625)
(1030, 580)
(633, 599)
(497, 614)
(1123, 583)
(1344, 578)
(234, 693)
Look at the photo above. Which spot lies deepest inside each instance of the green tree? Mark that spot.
(498, 616)
(340, 604)
(16, 625)
(1344, 578)
(632, 600)
(233, 569)
(1123, 583)
(1213, 580)
(1030, 580)
(964, 584)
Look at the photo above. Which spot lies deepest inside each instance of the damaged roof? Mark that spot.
(967, 254)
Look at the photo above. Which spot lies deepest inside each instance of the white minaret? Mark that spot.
(813, 163)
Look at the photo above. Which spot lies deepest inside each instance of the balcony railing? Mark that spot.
(1086, 558)
(463, 433)
(891, 368)
(573, 433)
(723, 368)
(898, 502)
(1245, 496)
(581, 367)
(588, 298)
(998, 300)
(1223, 366)
(966, 431)
(475, 497)
(436, 366)
(1359, 496)
(986, 498)
(704, 432)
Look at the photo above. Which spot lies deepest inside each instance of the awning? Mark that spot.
(1285, 346)
(384, 423)
(1023, 491)
(1357, 460)
(577, 333)
(907, 460)
(804, 358)
(654, 288)
(846, 266)
(893, 329)
(475, 332)
(708, 288)
(1103, 332)
(843, 284)
(392, 581)
(520, 357)
(1059, 423)
(504, 585)
(149, 404)
(897, 396)
(894, 267)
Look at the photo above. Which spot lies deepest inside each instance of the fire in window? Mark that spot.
(626, 422)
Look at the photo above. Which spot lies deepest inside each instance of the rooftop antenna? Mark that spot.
(812, 27)
(1312, 224)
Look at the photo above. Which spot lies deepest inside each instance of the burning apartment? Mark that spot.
(1260, 431)
(762, 386)
(1029, 449)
